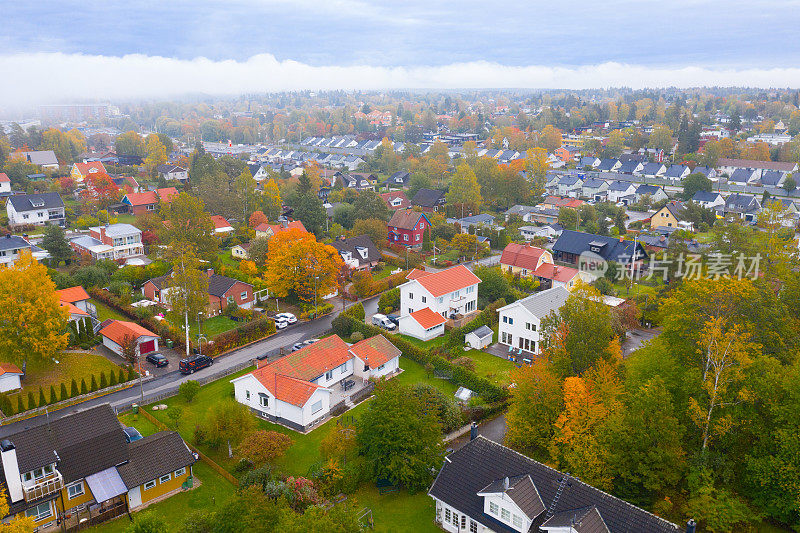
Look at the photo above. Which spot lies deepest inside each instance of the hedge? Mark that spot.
(344, 326)
(487, 317)
(322, 309)
(249, 332)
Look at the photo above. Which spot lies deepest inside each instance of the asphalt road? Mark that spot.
(170, 382)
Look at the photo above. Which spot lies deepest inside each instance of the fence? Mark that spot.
(210, 462)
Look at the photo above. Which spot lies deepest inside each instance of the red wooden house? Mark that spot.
(407, 227)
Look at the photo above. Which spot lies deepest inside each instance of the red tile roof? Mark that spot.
(560, 201)
(389, 196)
(85, 168)
(427, 318)
(277, 228)
(73, 294)
(220, 222)
(9, 368)
(415, 273)
(166, 194)
(375, 351)
(72, 309)
(117, 330)
(314, 360)
(152, 197)
(555, 272)
(521, 256)
(449, 280)
(4, 178)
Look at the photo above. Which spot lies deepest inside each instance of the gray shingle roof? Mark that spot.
(483, 332)
(352, 245)
(705, 196)
(612, 249)
(428, 198)
(45, 200)
(13, 242)
(481, 462)
(154, 456)
(583, 520)
(543, 303)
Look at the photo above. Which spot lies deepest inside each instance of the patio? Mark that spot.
(504, 351)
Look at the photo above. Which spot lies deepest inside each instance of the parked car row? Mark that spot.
(282, 320)
(389, 322)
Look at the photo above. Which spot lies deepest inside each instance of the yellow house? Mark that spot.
(81, 468)
(80, 171)
(668, 216)
(240, 251)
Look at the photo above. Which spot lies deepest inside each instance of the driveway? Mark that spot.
(171, 379)
(494, 429)
(636, 338)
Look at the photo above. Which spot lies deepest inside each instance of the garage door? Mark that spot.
(147, 346)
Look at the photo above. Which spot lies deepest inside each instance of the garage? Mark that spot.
(147, 346)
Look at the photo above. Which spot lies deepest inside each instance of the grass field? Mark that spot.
(495, 369)
(398, 512)
(213, 326)
(104, 312)
(425, 345)
(70, 366)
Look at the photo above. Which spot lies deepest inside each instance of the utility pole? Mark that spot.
(316, 278)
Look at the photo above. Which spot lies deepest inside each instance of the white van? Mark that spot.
(382, 321)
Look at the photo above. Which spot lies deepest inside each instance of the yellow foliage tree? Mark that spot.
(550, 138)
(33, 323)
(156, 153)
(296, 260)
(18, 524)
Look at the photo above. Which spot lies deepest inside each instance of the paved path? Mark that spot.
(170, 382)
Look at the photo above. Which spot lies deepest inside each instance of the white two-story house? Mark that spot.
(520, 322)
(428, 299)
(36, 209)
(112, 241)
(300, 389)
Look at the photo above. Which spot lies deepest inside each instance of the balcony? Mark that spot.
(49, 485)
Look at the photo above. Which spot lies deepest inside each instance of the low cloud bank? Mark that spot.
(55, 77)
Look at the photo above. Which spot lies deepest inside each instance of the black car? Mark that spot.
(394, 318)
(157, 359)
(192, 364)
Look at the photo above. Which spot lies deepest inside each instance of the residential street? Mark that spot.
(172, 380)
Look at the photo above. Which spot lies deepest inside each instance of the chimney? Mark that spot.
(210, 272)
(621, 239)
(473, 431)
(103, 233)
(8, 454)
(505, 483)
(691, 525)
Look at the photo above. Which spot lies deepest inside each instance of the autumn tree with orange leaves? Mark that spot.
(296, 260)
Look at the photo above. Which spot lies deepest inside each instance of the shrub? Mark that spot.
(112, 379)
(31, 400)
(20, 406)
(465, 362)
(121, 377)
(42, 399)
(188, 390)
(321, 309)
(94, 383)
(355, 311)
(84, 388)
(73, 389)
(357, 336)
(390, 300)
(53, 397)
(103, 380)
(63, 392)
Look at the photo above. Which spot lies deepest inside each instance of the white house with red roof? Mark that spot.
(10, 377)
(300, 389)
(116, 333)
(5, 183)
(221, 225)
(428, 299)
(76, 300)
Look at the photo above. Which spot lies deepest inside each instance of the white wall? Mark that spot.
(390, 366)
(299, 415)
(409, 326)
(9, 382)
(337, 374)
(520, 316)
(441, 305)
(135, 497)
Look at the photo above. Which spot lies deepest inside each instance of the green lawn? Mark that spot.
(226, 258)
(213, 326)
(126, 219)
(495, 369)
(413, 372)
(399, 511)
(70, 366)
(213, 491)
(104, 312)
(425, 345)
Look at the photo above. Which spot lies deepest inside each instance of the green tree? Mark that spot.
(56, 245)
(148, 523)
(308, 209)
(370, 205)
(661, 138)
(464, 188)
(186, 223)
(130, 143)
(697, 181)
(400, 440)
(188, 390)
(375, 228)
(186, 289)
(345, 215)
(790, 184)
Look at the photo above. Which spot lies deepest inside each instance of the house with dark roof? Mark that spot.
(741, 206)
(677, 172)
(358, 253)
(743, 176)
(569, 185)
(571, 244)
(708, 199)
(609, 165)
(429, 199)
(68, 469)
(519, 323)
(656, 193)
(773, 178)
(589, 161)
(10, 248)
(222, 291)
(708, 172)
(38, 209)
(169, 171)
(630, 167)
(617, 190)
(401, 178)
(670, 216)
(301, 389)
(485, 486)
(407, 227)
(594, 189)
(652, 170)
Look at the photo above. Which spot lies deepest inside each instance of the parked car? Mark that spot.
(157, 359)
(290, 318)
(394, 318)
(382, 321)
(281, 323)
(193, 364)
(131, 434)
(303, 344)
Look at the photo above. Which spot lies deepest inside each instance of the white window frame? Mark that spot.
(247, 395)
(162, 479)
(494, 508)
(517, 521)
(149, 485)
(243, 296)
(78, 490)
(37, 515)
(179, 472)
(505, 515)
(316, 407)
(263, 401)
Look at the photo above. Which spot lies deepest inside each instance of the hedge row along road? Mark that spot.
(169, 383)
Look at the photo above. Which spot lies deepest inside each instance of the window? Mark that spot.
(243, 296)
(75, 490)
(455, 519)
(405, 236)
(463, 521)
(263, 400)
(421, 225)
(328, 375)
(493, 508)
(511, 320)
(473, 526)
(447, 515)
(424, 299)
(40, 512)
(381, 367)
(517, 521)
(149, 485)
(441, 299)
(410, 295)
(316, 407)
(410, 310)
(231, 299)
(179, 472)
(416, 237)
(505, 319)
(165, 478)
(247, 395)
(505, 514)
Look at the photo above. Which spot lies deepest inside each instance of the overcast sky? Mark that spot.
(65, 49)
